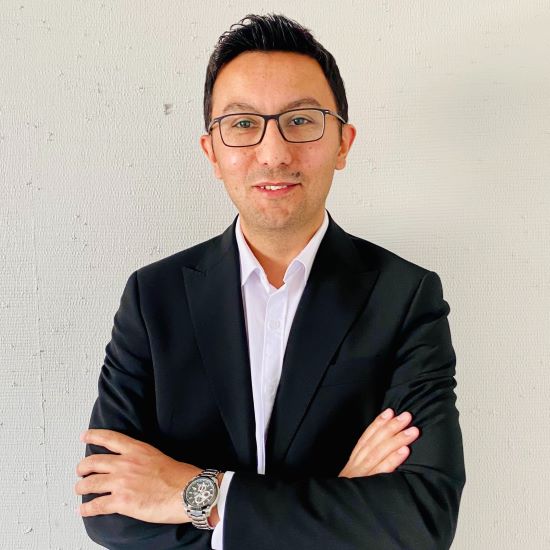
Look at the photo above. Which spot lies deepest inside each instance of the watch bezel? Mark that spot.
(197, 479)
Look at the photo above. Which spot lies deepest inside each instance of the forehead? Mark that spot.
(270, 81)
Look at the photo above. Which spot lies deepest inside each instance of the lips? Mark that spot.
(273, 186)
(276, 190)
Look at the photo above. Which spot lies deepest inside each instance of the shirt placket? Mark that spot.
(273, 343)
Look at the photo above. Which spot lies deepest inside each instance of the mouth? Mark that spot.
(275, 189)
(274, 185)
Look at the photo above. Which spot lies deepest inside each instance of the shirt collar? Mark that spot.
(304, 260)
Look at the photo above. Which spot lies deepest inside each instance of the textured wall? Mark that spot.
(101, 173)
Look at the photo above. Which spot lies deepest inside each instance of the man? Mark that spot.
(259, 388)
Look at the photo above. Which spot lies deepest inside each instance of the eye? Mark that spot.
(243, 124)
(299, 118)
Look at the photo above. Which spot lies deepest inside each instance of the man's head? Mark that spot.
(266, 67)
(270, 33)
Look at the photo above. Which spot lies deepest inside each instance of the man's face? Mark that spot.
(268, 82)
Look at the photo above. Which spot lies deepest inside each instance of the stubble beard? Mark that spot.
(273, 224)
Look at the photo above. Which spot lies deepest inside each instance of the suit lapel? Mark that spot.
(336, 292)
(215, 301)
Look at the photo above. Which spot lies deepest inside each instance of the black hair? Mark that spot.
(271, 32)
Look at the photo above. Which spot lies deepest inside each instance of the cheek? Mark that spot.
(235, 163)
(310, 157)
(234, 171)
(318, 161)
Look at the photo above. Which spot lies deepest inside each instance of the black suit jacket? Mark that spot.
(370, 332)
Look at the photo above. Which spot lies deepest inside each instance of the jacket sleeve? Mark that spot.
(413, 508)
(126, 403)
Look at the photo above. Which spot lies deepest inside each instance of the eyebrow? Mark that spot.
(237, 106)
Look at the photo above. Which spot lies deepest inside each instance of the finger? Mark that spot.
(98, 506)
(114, 441)
(391, 463)
(375, 425)
(99, 464)
(370, 456)
(386, 431)
(95, 483)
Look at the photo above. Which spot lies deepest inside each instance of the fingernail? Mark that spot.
(386, 414)
(402, 450)
(410, 431)
(82, 436)
(403, 416)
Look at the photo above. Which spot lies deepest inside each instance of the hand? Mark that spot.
(144, 483)
(382, 447)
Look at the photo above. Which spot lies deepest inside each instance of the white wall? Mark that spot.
(450, 169)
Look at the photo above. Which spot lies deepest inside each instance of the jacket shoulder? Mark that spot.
(386, 261)
(195, 257)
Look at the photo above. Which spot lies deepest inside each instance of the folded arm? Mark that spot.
(126, 404)
(415, 507)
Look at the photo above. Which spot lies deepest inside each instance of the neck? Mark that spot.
(275, 250)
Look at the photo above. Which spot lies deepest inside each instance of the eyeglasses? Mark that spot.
(296, 126)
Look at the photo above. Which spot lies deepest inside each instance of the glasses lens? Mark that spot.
(299, 125)
(241, 129)
(302, 125)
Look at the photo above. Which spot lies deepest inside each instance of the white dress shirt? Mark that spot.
(269, 313)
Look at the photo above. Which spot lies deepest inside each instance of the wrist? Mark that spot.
(214, 518)
(201, 513)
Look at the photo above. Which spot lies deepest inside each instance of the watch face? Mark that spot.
(201, 493)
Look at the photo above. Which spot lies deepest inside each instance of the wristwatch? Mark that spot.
(199, 497)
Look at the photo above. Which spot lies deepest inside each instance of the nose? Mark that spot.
(273, 149)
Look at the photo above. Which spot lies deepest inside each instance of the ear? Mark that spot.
(348, 136)
(207, 146)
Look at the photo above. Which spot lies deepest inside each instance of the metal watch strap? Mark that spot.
(199, 518)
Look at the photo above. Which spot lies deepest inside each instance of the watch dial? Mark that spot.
(201, 493)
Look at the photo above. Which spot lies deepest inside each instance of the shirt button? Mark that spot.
(274, 324)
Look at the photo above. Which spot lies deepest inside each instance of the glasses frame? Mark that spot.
(275, 117)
